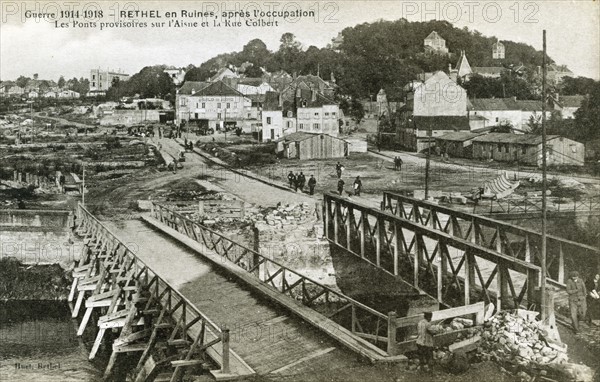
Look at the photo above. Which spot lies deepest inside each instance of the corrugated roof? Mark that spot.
(459, 136)
(522, 139)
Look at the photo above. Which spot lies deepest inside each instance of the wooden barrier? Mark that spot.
(143, 307)
(476, 310)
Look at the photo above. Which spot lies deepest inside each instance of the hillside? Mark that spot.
(383, 54)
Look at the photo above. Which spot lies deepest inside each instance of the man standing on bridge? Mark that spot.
(577, 296)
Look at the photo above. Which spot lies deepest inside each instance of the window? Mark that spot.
(93, 76)
(333, 113)
(315, 126)
(523, 149)
(182, 101)
(228, 105)
(218, 105)
(301, 126)
(268, 120)
(289, 123)
(497, 119)
(326, 114)
(218, 115)
(316, 114)
(203, 105)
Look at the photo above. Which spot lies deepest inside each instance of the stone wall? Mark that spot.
(38, 237)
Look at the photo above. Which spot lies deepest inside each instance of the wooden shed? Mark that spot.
(457, 144)
(527, 148)
(303, 145)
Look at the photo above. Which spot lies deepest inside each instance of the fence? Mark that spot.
(360, 320)
(111, 264)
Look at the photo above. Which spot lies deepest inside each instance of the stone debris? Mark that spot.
(519, 339)
(516, 340)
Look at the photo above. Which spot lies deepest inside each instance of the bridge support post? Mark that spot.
(391, 335)
(417, 259)
(397, 243)
(469, 280)
(225, 341)
(379, 233)
(561, 264)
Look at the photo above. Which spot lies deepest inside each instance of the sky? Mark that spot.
(31, 45)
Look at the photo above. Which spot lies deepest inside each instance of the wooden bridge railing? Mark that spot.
(454, 270)
(511, 240)
(363, 321)
(118, 279)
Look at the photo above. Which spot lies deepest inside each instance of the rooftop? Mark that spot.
(459, 136)
(523, 139)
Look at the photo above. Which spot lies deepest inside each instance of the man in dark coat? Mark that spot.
(357, 186)
(338, 170)
(577, 299)
(312, 182)
(593, 288)
(292, 179)
(301, 181)
(340, 187)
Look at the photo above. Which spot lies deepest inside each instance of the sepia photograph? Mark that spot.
(300, 191)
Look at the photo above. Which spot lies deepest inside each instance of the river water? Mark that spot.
(38, 342)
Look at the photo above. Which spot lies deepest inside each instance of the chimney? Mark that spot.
(449, 68)
(280, 100)
(313, 95)
(539, 69)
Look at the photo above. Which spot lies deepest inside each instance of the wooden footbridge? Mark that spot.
(247, 314)
(227, 322)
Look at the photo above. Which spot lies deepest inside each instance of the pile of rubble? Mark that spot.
(514, 339)
(288, 214)
(518, 338)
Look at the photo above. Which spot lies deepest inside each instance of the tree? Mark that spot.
(61, 82)
(588, 115)
(22, 81)
(256, 52)
(579, 85)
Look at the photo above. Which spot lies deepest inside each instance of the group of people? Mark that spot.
(356, 186)
(397, 163)
(298, 181)
(584, 300)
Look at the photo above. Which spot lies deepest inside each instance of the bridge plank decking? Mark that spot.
(259, 331)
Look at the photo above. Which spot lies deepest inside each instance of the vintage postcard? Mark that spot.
(303, 190)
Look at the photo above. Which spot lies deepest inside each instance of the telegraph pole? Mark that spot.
(427, 163)
(544, 183)
(83, 187)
